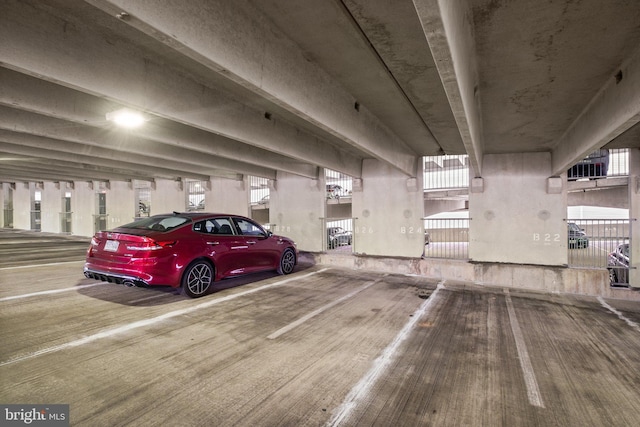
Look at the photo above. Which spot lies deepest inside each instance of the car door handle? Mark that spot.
(251, 242)
(213, 243)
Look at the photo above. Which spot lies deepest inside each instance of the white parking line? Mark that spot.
(533, 392)
(53, 291)
(135, 301)
(619, 314)
(40, 265)
(361, 390)
(147, 322)
(314, 313)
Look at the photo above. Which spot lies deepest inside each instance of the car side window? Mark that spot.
(248, 228)
(221, 226)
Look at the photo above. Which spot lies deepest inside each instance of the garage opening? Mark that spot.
(600, 243)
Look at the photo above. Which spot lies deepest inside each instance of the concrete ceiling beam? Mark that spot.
(448, 27)
(152, 152)
(255, 55)
(47, 148)
(121, 72)
(612, 111)
(42, 172)
(45, 98)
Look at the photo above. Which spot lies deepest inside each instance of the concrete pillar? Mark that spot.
(83, 206)
(3, 196)
(227, 196)
(634, 216)
(517, 211)
(22, 206)
(296, 207)
(51, 207)
(168, 196)
(121, 206)
(388, 207)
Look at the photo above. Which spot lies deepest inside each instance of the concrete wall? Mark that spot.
(22, 206)
(432, 207)
(167, 196)
(388, 211)
(51, 206)
(616, 197)
(83, 206)
(228, 196)
(339, 208)
(4, 191)
(517, 214)
(121, 206)
(634, 215)
(296, 207)
(550, 279)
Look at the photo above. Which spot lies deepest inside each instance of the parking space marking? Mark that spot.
(361, 390)
(619, 314)
(135, 301)
(40, 265)
(533, 392)
(314, 313)
(147, 322)
(53, 291)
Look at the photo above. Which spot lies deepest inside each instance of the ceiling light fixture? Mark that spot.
(126, 118)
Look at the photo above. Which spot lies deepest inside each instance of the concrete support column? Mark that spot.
(83, 205)
(167, 196)
(22, 206)
(3, 190)
(517, 211)
(634, 215)
(228, 196)
(121, 203)
(389, 208)
(296, 207)
(51, 206)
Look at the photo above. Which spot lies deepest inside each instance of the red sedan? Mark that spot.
(188, 250)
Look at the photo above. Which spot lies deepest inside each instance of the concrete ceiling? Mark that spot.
(252, 87)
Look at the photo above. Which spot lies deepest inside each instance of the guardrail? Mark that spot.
(590, 241)
(446, 238)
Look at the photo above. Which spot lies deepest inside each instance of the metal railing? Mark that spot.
(259, 191)
(446, 172)
(591, 241)
(66, 220)
(446, 238)
(339, 236)
(8, 218)
(338, 186)
(618, 162)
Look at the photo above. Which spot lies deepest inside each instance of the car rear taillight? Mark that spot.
(93, 245)
(149, 245)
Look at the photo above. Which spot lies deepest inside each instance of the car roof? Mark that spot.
(201, 215)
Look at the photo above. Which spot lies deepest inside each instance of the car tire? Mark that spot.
(197, 279)
(287, 262)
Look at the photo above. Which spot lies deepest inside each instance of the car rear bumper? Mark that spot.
(121, 279)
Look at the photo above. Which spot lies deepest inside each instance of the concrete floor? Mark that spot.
(324, 346)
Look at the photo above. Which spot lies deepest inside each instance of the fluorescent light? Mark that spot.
(126, 118)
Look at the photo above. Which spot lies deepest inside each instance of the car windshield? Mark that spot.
(159, 223)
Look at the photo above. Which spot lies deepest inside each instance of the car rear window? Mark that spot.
(158, 223)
